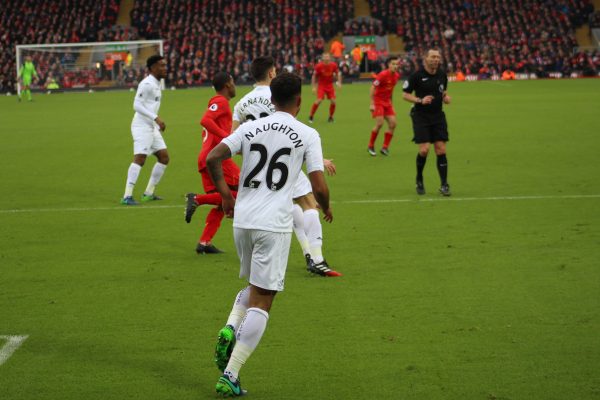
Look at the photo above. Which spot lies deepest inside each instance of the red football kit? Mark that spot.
(325, 73)
(217, 125)
(384, 85)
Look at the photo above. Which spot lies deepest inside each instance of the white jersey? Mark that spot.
(254, 105)
(273, 150)
(147, 103)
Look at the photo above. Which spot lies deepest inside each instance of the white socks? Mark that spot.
(314, 233)
(299, 229)
(249, 334)
(157, 172)
(240, 306)
(132, 176)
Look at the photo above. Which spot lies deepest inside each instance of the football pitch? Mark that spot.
(493, 293)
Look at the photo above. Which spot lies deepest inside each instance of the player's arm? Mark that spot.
(329, 166)
(139, 107)
(372, 96)
(35, 72)
(208, 121)
(20, 73)
(313, 81)
(338, 76)
(215, 169)
(234, 125)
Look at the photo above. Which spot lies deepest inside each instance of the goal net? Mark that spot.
(78, 66)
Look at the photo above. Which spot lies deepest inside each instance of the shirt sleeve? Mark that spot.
(313, 156)
(234, 141)
(378, 79)
(209, 120)
(144, 92)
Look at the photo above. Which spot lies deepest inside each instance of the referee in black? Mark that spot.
(429, 121)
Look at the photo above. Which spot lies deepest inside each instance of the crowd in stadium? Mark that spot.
(486, 37)
(482, 37)
(202, 38)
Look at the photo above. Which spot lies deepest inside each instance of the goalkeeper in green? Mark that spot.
(26, 74)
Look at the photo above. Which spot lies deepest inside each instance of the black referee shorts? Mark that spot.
(429, 128)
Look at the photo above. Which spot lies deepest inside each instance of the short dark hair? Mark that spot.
(285, 88)
(261, 66)
(153, 60)
(390, 59)
(220, 80)
(432, 48)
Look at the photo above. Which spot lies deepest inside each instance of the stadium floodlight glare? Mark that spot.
(91, 65)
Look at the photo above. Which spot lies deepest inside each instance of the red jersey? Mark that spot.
(384, 86)
(325, 72)
(217, 125)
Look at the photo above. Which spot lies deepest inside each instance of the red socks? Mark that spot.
(213, 222)
(373, 137)
(387, 139)
(211, 198)
(331, 110)
(313, 109)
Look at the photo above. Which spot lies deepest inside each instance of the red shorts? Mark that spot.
(328, 91)
(231, 173)
(383, 110)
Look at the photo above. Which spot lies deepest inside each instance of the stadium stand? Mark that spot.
(486, 37)
(205, 36)
(480, 37)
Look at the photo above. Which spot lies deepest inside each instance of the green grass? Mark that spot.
(487, 297)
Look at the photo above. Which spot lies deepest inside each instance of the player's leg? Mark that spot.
(378, 116)
(442, 166)
(162, 157)
(331, 97)
(142, 141)
(226, 336)
(391, 122)
(263, 259)
(27, 88)
(315, 106)
(212, 225)
(299, 231)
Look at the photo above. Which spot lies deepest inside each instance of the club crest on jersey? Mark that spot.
(213, 107)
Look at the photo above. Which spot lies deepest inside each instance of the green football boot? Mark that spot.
(227, 388)
(150, 197)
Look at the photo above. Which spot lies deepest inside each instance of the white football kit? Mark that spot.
(147, 138)
(255, 105)
(273, 149)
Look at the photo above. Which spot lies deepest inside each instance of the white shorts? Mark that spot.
(302, 186)
(146, 140)
(263, 256)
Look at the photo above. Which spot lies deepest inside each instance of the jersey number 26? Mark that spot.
(273, 165)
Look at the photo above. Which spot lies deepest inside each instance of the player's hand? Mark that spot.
(338, 84)
(314, 89)
(372, 107)
(328, 215)
(446, 99)
(329, 166)
(427, 100)
(161, 124)
(228, 204)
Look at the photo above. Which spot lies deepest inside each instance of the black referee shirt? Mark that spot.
(426, 84)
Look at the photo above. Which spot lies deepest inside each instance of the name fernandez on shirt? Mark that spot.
(257, 100)
(276, 127)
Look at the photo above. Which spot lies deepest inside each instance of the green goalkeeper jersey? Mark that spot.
(27, 71)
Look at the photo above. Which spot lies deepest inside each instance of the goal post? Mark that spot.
(94, 65)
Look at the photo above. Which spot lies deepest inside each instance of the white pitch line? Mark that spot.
(12, 344)
(374, 201)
